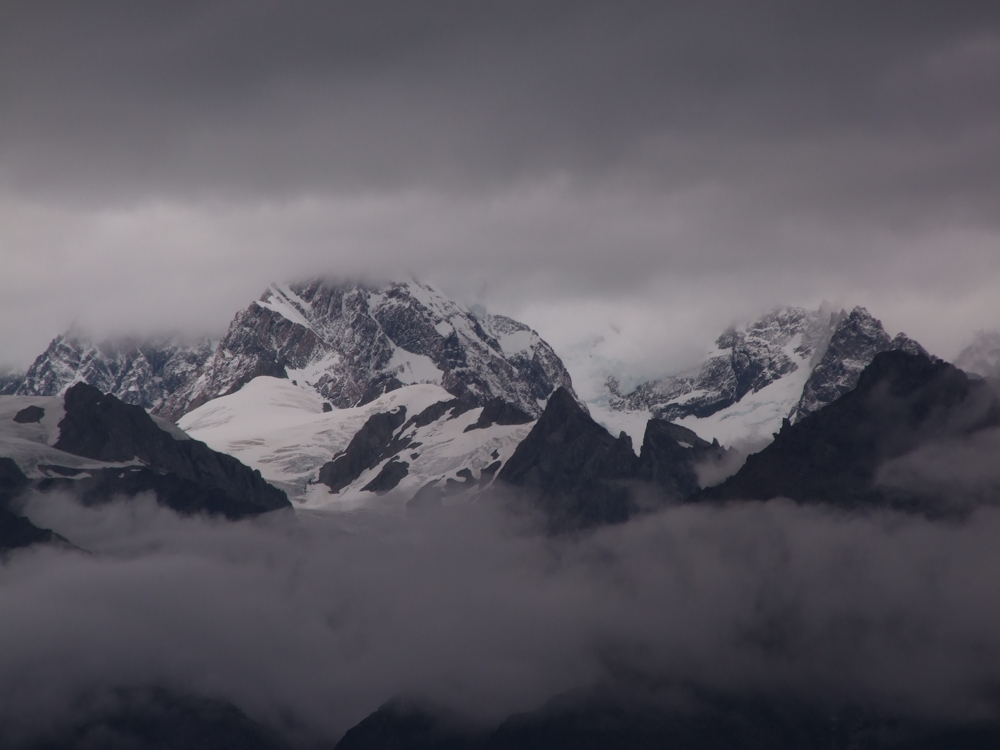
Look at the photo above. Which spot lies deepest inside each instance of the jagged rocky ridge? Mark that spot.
(839, 454)
(350, 342)
(144, 373)
(832, 347)
(353, 343)
(578, 475)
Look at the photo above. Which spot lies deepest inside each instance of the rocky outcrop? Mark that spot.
(185, 474)
(749, 359)
(901, 401)
(571, 469)
(854, 342)
(366, 449)
(498, 411)
(353, 343)
(670, 455)
(10, 382)
(831, 348)
(144, 373)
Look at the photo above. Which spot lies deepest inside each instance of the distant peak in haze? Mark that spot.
(982, 356)
(786, 364)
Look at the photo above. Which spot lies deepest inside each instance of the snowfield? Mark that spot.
(281, 429)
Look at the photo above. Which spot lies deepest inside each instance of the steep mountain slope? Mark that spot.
(577, 475)
(349, 342)
(840, 453)
(854, 342)
(352, 343)
(144, 373)
(97, 447)
(784, 365)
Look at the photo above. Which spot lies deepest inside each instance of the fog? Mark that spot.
(311, 621)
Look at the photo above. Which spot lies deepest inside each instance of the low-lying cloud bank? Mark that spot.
(313, 621)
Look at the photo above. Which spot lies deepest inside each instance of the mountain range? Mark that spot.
(327, 396)
(308, 375)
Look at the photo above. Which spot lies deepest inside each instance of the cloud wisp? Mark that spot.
(316, 620)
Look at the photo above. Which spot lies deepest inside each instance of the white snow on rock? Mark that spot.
(281, 429)
(786, 364)
(352, 342)
(30, 445)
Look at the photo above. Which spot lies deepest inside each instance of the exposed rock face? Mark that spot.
(669, 457)
(982, 356)
(498, 411)
(833, 456)
(17, 532)
(353, 343)
(366, 449)
(144, 373)
(29, 415)
(572, 469)
(12, 481)
(749, 359)
(578, 475)
(833, 348)
(185, 474)
(855, 341)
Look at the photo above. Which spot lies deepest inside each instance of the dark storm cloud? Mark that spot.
(284, 97)
(321, 619)
(688, 162)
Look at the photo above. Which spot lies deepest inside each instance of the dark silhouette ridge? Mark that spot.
(902, 400)
(186, 475)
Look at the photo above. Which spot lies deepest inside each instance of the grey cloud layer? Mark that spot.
(323, 619)
(171, 160)
(289, 97)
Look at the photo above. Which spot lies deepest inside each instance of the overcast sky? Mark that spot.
(645, 171)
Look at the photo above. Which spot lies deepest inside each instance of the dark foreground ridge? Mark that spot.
(571, 469)
(902, 401)
(185, 474)
(16, 531)
(148, 719)
(603, 720)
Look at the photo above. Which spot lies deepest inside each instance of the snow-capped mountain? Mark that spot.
(353, 343)
(348, 342)
(982, 356)
(144, 373)
(785, 365)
